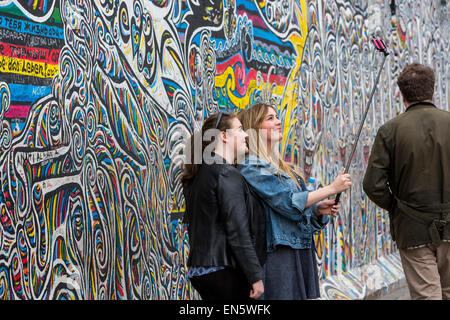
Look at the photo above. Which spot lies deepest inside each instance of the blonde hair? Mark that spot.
(251, 120)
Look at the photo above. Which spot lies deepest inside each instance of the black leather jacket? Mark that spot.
(225, 221)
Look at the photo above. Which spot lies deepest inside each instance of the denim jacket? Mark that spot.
(288, 222)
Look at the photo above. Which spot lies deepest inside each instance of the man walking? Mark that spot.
(408, 174)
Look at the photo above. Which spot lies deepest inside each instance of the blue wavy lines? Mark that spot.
(37, 29)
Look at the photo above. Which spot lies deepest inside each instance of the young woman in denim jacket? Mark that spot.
(293, 213)
(223, 263)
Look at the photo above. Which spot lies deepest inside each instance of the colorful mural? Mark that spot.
(97, 101)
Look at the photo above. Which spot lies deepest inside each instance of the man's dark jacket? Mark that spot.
(408, 174)
(226, 223)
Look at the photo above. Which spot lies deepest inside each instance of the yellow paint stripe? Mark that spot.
(227, 80)
(28, 68)
(290, 99)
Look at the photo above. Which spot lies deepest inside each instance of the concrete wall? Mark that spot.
(98, 98)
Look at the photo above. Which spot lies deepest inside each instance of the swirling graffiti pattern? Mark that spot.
(90, 199)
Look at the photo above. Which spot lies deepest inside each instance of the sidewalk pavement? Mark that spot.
(400, 293)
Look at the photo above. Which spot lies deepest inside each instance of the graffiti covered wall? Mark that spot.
(98, 98)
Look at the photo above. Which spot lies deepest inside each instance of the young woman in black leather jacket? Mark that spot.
(221, 214)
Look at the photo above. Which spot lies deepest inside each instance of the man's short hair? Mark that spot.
(416, 82)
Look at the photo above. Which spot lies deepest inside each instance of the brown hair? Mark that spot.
(252, 118)
(416, 82)
(190, 168)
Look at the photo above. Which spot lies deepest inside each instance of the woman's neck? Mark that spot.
(221, 151)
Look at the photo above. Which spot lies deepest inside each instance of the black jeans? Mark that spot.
(224, 284)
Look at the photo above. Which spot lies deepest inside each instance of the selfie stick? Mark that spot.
(380, 46)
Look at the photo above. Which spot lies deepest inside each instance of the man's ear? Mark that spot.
(407, 103)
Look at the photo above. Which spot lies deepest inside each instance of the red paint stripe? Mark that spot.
(242, 80)
(29, 53)
(17, 111)
(256, 20)
(236, 59)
